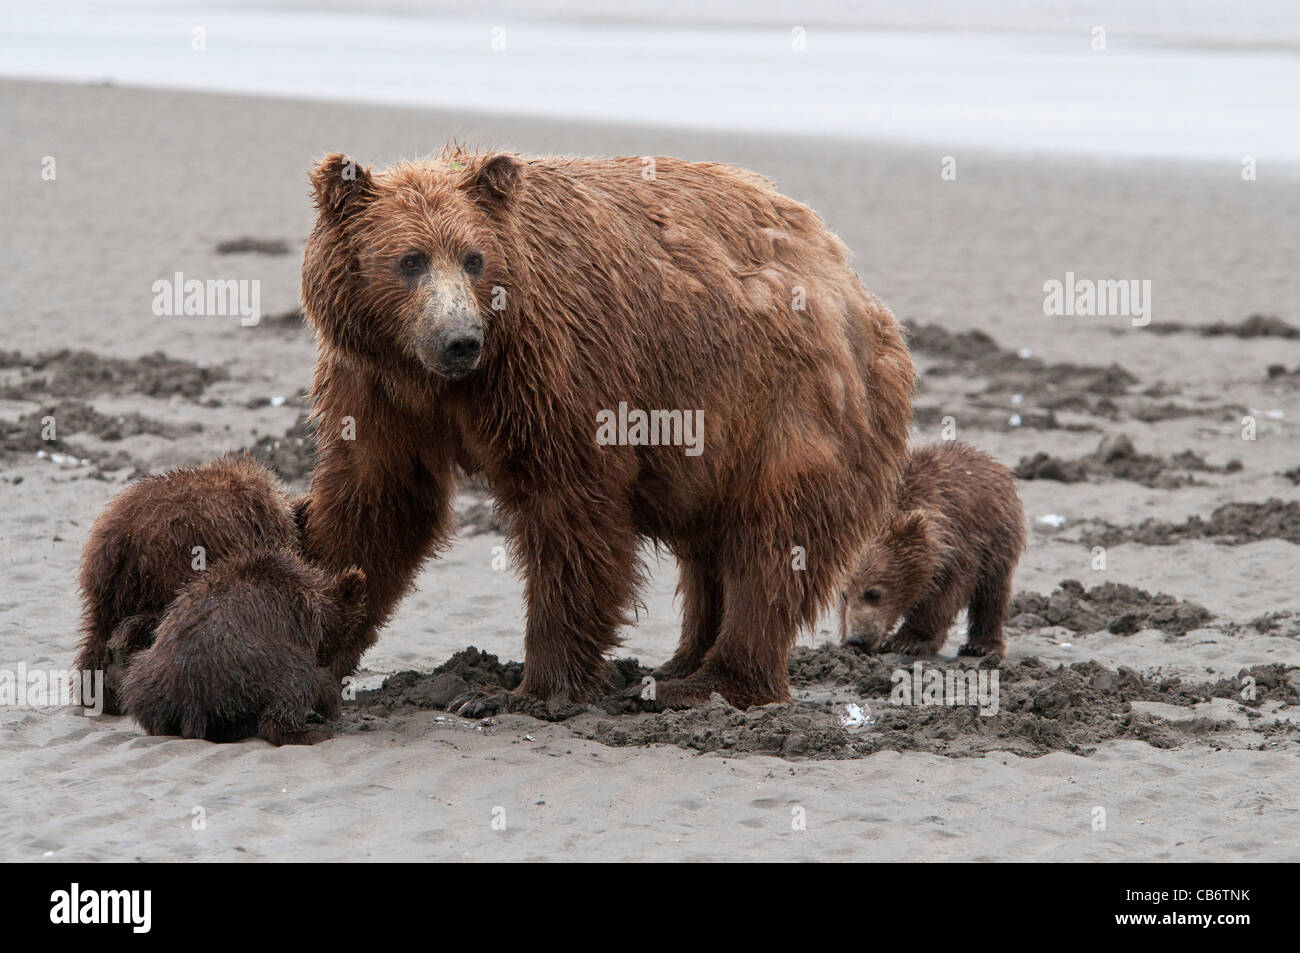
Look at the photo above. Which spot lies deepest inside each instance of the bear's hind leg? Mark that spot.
(700, 586)
(988, 610)
(764, 601)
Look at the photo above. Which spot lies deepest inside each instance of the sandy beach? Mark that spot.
(1128, 439)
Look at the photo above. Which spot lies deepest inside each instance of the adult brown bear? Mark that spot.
(492, 310)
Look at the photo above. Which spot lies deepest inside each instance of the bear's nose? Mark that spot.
(464, 349)
(858, 642)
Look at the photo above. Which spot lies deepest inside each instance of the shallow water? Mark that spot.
(1197, 82)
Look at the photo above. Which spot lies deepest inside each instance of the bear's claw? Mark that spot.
(474, 704)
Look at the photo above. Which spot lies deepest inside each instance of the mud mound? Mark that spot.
(293, 455)
(474, 671)
(1117, 459)
(938, 341)
(1039, 708)
(1232, 524)
(1111, 606)
(82, 374)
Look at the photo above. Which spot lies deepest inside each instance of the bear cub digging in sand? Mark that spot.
(141, 552)
(952, 542)
(236, 653)
(173, 530)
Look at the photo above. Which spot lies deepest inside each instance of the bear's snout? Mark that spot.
(863, 641)
(454, 352)
(463, 349)
(449, 335)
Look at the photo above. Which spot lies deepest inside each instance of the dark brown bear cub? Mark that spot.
(236, 653)
(157, 536)
(952, 543)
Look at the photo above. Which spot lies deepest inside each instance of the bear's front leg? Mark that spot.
(925, 628)
(579, 554)
(380, 496)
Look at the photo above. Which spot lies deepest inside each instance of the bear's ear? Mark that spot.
(491, 181)
(341, 186)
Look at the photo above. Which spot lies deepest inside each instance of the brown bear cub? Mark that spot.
(155, 537)
(254, 647)
(952, 543)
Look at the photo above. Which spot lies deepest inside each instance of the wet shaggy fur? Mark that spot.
(676, 286)
(140, 552)
(249, 649)
(952, 544)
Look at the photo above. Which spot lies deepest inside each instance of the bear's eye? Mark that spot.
(412, 261)
(872, 595)
(474, 263)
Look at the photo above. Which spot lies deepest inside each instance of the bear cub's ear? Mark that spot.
(491, 181)
(914, 530)
(350, 595)
(340, 185)
(350, 587)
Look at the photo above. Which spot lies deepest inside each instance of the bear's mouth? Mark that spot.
(455, 369)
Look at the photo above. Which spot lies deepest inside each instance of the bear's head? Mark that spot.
(404, 265)
(891, 573)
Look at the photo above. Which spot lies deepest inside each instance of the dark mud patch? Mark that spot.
(1021, 390)
(291, 455)
(975, 353)
(79, 417)
(1255, 326)
(1112, 607)
(1232, 524)
(1027, 385)
(82, 374)
(1152, 412)
(1117, 459)
(1279, 624)
(1040, 708)
(27, 436)
(253, 246)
